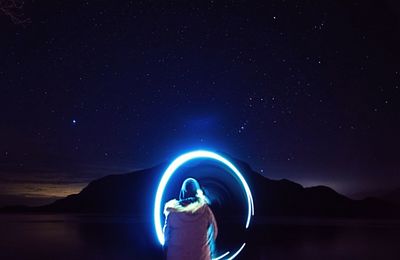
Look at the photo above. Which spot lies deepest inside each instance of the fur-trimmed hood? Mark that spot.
(194, 207)
(175, 206)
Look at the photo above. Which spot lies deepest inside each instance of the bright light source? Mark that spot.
(178, 162)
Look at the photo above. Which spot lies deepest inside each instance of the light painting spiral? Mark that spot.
(178, 162)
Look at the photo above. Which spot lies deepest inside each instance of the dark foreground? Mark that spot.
(105, 237)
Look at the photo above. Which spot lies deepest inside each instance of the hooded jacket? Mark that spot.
(189, 230)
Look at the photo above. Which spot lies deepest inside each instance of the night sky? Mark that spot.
(304, 90)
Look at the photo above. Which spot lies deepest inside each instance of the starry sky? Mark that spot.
(304, 90)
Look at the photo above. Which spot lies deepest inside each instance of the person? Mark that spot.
(190, 227)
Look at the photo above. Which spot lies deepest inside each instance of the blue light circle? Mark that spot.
(178, 162)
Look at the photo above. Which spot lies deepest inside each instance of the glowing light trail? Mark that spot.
(178, 162)
(237, 252)
(221, 256)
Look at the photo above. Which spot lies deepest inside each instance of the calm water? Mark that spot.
(102, 237)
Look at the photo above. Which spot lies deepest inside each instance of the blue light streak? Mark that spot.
(222, 256)
(237, 252)
(178, 162)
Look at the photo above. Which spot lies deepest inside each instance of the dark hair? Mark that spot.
(189, 191)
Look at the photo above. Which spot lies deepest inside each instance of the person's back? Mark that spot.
(190, 228)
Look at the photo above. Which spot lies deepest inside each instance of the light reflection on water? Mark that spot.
(107, 237)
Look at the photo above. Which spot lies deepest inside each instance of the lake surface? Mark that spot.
(109, 237)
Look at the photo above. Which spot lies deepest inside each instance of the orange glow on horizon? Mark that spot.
(41, 190)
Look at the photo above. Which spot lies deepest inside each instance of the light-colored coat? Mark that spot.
(189, 230)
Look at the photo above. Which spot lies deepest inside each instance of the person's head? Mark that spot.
(190, 188)
(191, 192)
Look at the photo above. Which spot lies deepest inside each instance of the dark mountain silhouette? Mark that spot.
(392, 196)
(133, 194)
(389, 195)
